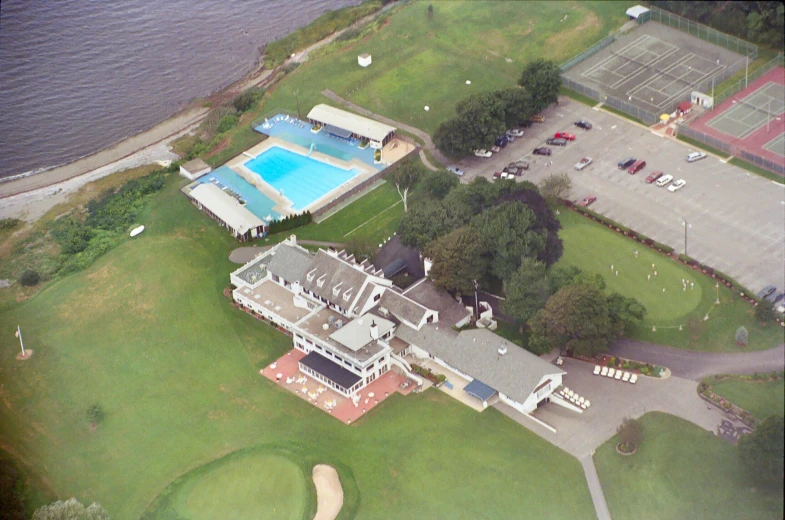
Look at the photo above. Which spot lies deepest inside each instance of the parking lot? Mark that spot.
(735, 219)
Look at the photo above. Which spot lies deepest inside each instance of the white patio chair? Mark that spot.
(611, 372)
(634, 378)
(604, 371)
(587, 403)
(581, 400)
(596, 369)
(625, 377)
(618, 375)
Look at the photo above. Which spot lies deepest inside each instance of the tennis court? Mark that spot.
(752, 112)
(776, 145)
(654, 67)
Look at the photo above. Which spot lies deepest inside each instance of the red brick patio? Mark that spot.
(345, 411)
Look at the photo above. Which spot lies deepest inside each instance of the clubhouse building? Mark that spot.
(346, 125)
(353, 325)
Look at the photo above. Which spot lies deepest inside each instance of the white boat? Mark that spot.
(136, 231)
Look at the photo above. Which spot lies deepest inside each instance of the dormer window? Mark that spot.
(311, 275)
(320, 281)
(347, 295)
(337, 289)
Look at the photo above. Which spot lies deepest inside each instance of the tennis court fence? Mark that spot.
(648, 118)
(735, 149)
(778, 61)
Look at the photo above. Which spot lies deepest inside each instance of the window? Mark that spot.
(276, 279)
(430, 319)
(377, 297)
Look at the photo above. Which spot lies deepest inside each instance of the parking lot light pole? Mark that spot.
(686, 225)
(717, 286)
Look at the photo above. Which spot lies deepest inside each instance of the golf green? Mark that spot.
(254, 486)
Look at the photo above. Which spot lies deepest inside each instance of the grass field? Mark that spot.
(674, 308)
(146, 333)
(680, 471)
(420, 61)
(761, 398)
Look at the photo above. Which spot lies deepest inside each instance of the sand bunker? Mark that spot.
(329, 493)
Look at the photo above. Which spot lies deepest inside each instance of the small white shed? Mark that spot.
(194, 169)
(635, 12)
(364, 59)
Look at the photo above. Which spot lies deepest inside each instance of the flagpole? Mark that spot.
(21, 341)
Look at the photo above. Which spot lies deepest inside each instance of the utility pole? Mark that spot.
(297, 98)
(21, 341)
(746, 70)
(686, 225)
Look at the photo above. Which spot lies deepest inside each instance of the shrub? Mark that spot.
(8, 223)
(244, 101)
(30, 278)
(289, 222)
(227, 122)
(348, 34)
(763, 311)
(630, 433)
(95, 414)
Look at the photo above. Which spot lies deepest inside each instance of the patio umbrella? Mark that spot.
(665, 117)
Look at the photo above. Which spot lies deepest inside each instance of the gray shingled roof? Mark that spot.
(402, 308)
(335, 271)
(475, 352)
(290, 263)
(427, 294)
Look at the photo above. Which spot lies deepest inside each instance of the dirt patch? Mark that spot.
(565, 39)
(329, 493)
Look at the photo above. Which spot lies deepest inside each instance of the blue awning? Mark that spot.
(479, 390)
(338, 132)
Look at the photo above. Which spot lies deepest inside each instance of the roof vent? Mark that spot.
(502, 350)
(384, 312)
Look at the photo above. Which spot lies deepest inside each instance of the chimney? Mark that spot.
(427, 264)
(374, 330)
(293, 240)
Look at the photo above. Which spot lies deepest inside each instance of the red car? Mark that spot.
(587, 201)
(636, 166)
(653, 177)
(564, 135)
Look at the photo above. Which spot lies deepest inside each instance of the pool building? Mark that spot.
(299, 167)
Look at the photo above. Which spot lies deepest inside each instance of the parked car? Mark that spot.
(636, 166)
(626, 163)
(565, 135)
(542, 150)
(523, 165)
(664, 180)
(587, 200)
(778, 297)
(525, 124)
(504, 175)
(501, 141)
(538, 118)
(583, 163)
(457, 171)
(766, 291)
(772, 297)
(556, 141)
(511, 171)
(582, 123)
(482, 153)
(495, 149)
(696, 156)
(653, 177)
(510, 138)
(679, 184)
(515, 132)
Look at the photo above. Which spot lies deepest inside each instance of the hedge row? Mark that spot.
(290, 222)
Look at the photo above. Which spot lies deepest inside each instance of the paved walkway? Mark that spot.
(693, 365)
(423, 136)
(243, 255)
(595, 488)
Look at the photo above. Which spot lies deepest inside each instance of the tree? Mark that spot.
(517, 105)
(467, 200)
(448, 138)
(764, 311)
(95, 414)
(630, 434)
(424, 224)
(429, 11)
(507, 235)
(438, 184)
(624, 312)
(762, 451)
(30, 278)
(564, 276)
(542, 80)
(576, 317)
(12, 490)
(526, 290)
(405, 177)
(742, 336)
(556, 187)
(545, 220)
(457, 260)
(70, 509)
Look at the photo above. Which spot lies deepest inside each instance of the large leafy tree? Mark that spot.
(577, 318)
(482, 120)
(545, 220)
(508, 235)
(564, 276)
(526, 290)
(70, 509)
(449, 138)
(762, 451)
(556, 187)
(405, 176)
(624, 312)
(542, 79)
(457, 260)
(438, 184)
(424, 224)
(467, 200)
(517, 104)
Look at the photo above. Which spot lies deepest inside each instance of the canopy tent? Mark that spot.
(479, 390)
(338, 132)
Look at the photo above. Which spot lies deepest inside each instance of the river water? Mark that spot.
(79, 75)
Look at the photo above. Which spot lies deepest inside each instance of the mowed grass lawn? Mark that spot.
(761, 398)
(594, 248)
(419, 61)
(147, 333)
(680, 471)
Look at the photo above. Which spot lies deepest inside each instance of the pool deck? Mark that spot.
(283, 205)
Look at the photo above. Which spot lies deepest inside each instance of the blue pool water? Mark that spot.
(255, 201)
(302, 179)
(299, 132)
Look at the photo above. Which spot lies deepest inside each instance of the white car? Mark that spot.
(457, 171)
(664, 180)
(696, 156)
(515, 132)
(677, 185)
(583, 163)
(482, 153)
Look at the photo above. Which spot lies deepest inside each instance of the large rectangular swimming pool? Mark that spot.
(255, 201)
(299, 178)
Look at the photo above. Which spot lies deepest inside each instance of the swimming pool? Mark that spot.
(299, 178)
(255, 201)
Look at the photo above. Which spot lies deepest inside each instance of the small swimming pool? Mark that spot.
(255, 201)
(301, 179)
